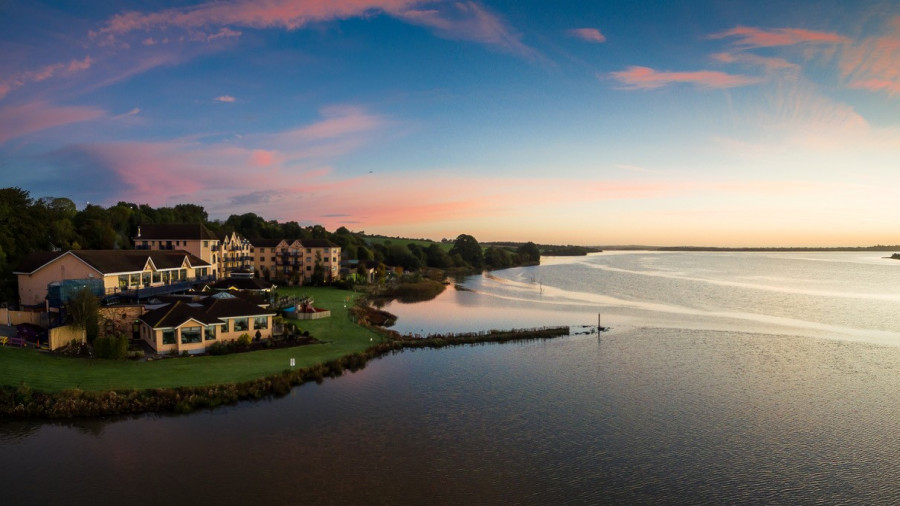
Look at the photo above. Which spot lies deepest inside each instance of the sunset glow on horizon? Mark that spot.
(773, 123)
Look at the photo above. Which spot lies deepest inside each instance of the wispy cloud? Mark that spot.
(133, 112)
(25, 77)
(768, 62)
(588, 34)
(224, 98)
(239, 171)
(464, 20)
(21, 120)
(757, 37)
(468, 21)
(874, 63)
(645, 78)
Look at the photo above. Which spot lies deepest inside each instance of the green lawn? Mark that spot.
(42, 371)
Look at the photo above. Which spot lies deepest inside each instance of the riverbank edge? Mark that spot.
(24, 403)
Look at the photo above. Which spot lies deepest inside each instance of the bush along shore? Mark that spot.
(23, 402)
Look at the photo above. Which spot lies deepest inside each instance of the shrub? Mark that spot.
(244, 340)
(218, 348)
(111, 347)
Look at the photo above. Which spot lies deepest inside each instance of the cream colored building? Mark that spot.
(284, 260)
(132, 273)
(193, 327)
(191, 237)
(234, 255)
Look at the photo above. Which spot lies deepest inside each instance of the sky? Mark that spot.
(713, 123)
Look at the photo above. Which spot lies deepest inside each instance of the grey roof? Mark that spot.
(174, 231)
(209, 311)
(264, 243)
(109, 261)
(317, 243)
(242, 284)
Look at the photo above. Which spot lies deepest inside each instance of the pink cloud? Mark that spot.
(76, 65)
(262, 158)
(254, 168)
(339, 121)
(645, 78)
(23, 78)
(767, 62)
(468, 21)
(457, 20)
(756, 37)
(21, 120)
(224, 98)
(588, 34)
(287, 14)
(874, 63)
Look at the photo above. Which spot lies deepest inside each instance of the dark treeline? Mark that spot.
(30, 224)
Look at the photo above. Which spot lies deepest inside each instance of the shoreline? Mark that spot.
(22, 402)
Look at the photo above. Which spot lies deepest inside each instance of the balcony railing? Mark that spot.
(154, 290)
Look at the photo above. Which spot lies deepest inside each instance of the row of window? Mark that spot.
(191, 335)
(145, 278)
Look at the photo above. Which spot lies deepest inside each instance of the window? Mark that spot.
(209, 332)
(190, 335)
(308, 268)
(241, 324)
(123, 281)
(165, 277)
(134, 280)
(145, 278)
(261, 322)
(182, 274)
(156, 277)
(168, 336)
(205, 244)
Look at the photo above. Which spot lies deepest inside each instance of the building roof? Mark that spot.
(255, 284)
(36, 260)
(209, 311)
(318, 243)
(265, 243)
(174, 231)
(230, 308)
(110, 261)
(173, 315)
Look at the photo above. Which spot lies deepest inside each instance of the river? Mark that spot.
(724, 378)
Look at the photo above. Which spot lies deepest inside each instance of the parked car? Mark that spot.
(31, 333)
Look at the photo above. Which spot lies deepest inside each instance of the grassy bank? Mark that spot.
(40, 385)
(51, 373)
(23, 402)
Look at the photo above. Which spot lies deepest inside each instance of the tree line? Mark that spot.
(29, 224)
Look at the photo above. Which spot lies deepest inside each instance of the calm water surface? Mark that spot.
(748, 378)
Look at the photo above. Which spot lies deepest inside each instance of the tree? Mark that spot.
(84, 310)
(437, 257)
(496, 257)
(529, 252)
(191, 213)
(468, 249)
